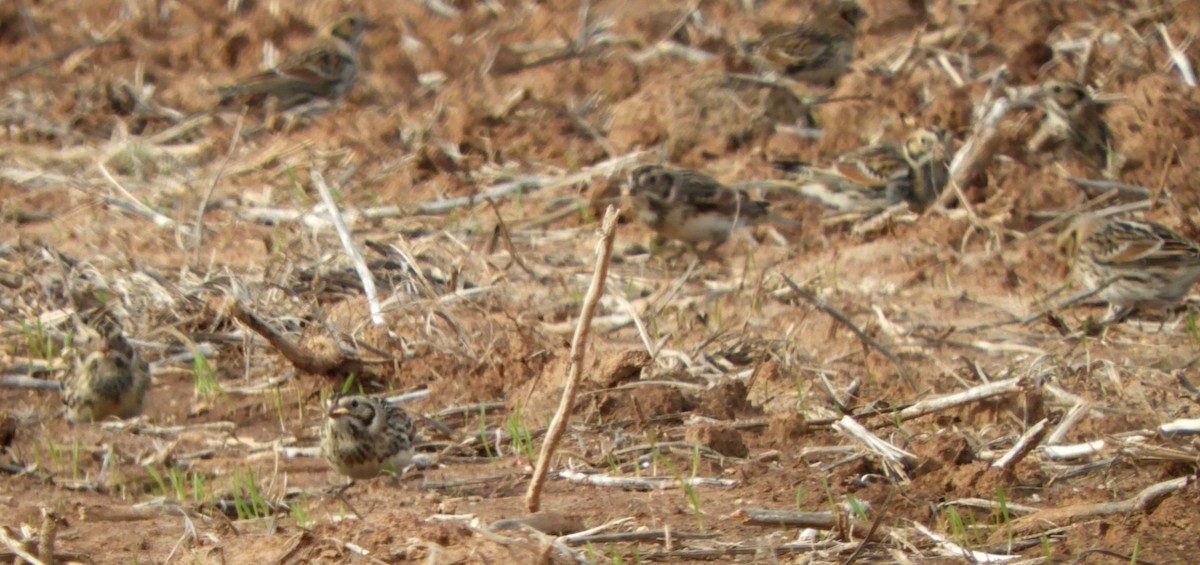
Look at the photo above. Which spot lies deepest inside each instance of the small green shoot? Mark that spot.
(207, 385)
(298, 193)
(351, 383)
(483, 435)
(158, 480)
(1193, 328)
(689, 489)
(522, 440)
(958, 530)
(301, 513)
(247, 500)
(857, 507)
(75, 459)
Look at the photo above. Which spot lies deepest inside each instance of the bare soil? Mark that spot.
(748, 379)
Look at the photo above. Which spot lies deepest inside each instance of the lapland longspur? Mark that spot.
(886, 173)
(1072, 119)
(818, 50)
(691, 207)
(366, 436)
(1149, 265)
(111, 381)
(326, 69)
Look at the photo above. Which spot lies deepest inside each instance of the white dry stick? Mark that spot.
(596, 530)
(948, 547)
(16, 547)
(558, 425)
(1024, 446)
(22, 381)
(647, 483)
(1073, 417)
(360, 265)
(985, 504)
(158, 219)
(1060, 452)
(895, 460)
(1179, 58)
(975, 394)
(1183, 426)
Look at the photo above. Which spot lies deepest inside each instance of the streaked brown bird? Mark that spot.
(112, 380)
(365, 436)
(691, 207)
(818, 50)
(326, 70)
(1072, 120)
(875, 177)
(1134, 264)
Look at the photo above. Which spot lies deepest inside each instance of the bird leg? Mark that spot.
(340, 494)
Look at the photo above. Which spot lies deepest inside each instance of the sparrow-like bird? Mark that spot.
(1134, 264)
(326, 69)
(875, 177)
(110, 381)
(691, 207)
(818, 50)
(1072, 120)
(366, 436)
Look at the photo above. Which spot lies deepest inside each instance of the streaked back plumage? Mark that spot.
(1149, 265)
(691, 207)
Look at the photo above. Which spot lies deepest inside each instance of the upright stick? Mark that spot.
(558, 425)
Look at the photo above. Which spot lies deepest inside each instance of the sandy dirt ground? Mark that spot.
(117, 174)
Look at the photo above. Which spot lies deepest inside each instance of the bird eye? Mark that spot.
(354, 404)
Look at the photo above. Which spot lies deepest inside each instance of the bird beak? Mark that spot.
(338, 411)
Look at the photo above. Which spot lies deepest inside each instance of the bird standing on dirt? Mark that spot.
(110, 381)
(691, 207)
(1132, 264)
(365, 436)
(877, 176)
(818, 51)
(1072, 119)
(325, 70)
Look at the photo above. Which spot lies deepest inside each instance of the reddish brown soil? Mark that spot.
(754, 380)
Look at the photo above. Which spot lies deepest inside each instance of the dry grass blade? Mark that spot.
(360, 265)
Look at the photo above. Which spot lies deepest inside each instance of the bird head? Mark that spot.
(349, 28)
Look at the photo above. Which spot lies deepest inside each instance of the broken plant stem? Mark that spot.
(558, 425)
(1024, 446)
(895, 460)
(975, 394)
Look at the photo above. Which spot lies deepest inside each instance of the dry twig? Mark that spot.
(1058, 517)
(822, 306)
(558, 425)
